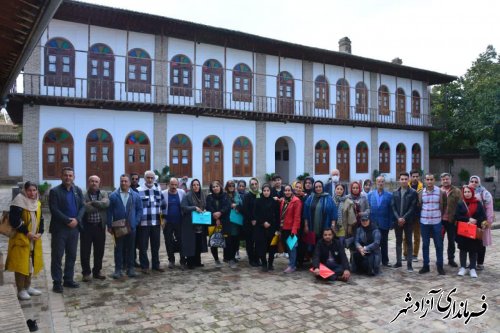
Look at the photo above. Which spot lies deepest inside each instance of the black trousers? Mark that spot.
(196, 259)
(93, 235)
(407, 228)
(64, 242)
(232, 246)
(250, 243)
(481, 254)
(149, 234)
(172, 236)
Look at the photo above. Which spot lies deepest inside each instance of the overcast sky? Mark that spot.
(440, 35)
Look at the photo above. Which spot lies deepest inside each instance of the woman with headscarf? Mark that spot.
(470, 210)
(267, 217)
(485, 197)
(24, 256)
(360, 201)
(220, 207)
(346, 219)
(319, 213)
(249, 221)
(194, 236)
(366, 259)
(233, 239)
(290, 213)
(308, 185)
(367, 186)
(298, 190)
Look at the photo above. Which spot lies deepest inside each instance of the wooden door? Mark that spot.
(400, 159)
(101, 71)
(100, 156)
(416, 157)
(57, 152)
(343, 158)
(212, 84)
(137, 153)
(212, 160)
(400, 107)
(342, 99)
(285, 93)
(384, 158)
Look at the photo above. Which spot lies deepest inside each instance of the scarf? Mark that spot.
(257, 192)
(199, 198)
(309, 191)
(31, 205)
(285, 207)
(339, 202)
(471, 203)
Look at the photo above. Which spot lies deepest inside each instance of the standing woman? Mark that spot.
(309, 185)
(219, 205)
(266, 215)
(346, 219)
(298, 190)
(360, 201)
(367, 186)
(319, 212)
(471, 211)
(24, 256)
(233, 239)
(194, 236)
(250, 222)
(485, 197)
(290, 213)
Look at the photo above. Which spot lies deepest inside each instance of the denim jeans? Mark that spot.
(63, 243)
(124, 251)
(426, 230)
(292, 254)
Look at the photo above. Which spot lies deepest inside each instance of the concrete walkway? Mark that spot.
(214, 299)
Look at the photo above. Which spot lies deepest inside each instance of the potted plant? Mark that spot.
(164, 176)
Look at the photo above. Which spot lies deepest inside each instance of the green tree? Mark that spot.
(468, 110)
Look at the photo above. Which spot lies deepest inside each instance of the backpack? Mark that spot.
(5, 227)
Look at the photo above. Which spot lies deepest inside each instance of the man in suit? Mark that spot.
(404, 206)
(67, 210)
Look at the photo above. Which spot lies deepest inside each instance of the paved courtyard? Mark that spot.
(214, 299)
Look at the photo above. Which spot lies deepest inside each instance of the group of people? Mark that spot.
(319, 226)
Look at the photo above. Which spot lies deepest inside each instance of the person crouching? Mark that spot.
(331, 253)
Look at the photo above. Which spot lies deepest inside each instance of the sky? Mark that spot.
(445, 36)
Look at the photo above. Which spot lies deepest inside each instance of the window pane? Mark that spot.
(175, 152)
(65, 158)
(176, 80)
(93, 157)
(131, 76)
(94, 71)
(185, 152)
(65, 60)
(175, 160)
(144, 76)
(105, 64)
(144, 69)
(184, 160)
(52, 68)
(51, 150)
(93, 150)
(237, 86)
(105, 158)
(51, 158)
(66, 68)
(105, 150)
(142, 152)
(106, 73)
(52, 59)
(94, 63)
(216, 85)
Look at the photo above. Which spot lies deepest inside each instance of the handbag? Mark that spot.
(120, 228)
(201, 218)
(217, 240)
(467, 230)
(236, 217)
(5, 227)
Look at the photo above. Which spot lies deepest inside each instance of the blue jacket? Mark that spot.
(116, 210)
(381, 215)
(329, 211)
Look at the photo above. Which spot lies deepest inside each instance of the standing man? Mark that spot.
(381, 215)
(278, 188)
(124, 204)
(94, 229)
(134, 182)
(453, 196)
(333, 181)
(172, 229)
(67, 209)
(153, 209)
(404, 205)
(417, 185)
(433, 203)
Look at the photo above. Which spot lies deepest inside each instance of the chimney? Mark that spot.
(345, 45)
(397, 61)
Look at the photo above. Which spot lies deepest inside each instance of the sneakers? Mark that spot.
(473, 273)
(415, 259)
(34, 292)
(286, 255)
(461, 271)
(23, 295)
(237, 256)
(409, 268)
(289, 270)
(424, 269)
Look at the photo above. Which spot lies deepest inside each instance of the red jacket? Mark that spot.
(292, 215)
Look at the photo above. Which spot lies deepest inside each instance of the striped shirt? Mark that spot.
(153, 203)
(430, 214)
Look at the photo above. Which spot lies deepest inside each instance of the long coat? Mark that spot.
(221, 204)
(188, 237)
(18, 256)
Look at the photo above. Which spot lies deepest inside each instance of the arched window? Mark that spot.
(242, 157)
(181, 76)
(416, 157)
(384, 158)
(137, 153)
(361, 98)
(59, 63)
(343, 160)
(100, 156)
(181, 152)
(242, 83)
(57, 152)
(321, 158)
(139, 71)
(212, 160)
(212, 83)
(383, 101)
(321, 92)
(286, 93)
(362, 157)
(415, 104)
(400, 159)
(401, 106)
(342, 105)
(101, 72)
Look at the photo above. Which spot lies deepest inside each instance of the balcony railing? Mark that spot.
(80, 90)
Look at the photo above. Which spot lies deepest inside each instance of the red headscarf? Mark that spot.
(360, 189)
(472, 202)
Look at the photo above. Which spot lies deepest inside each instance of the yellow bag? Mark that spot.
(275, 240)
(212, 229)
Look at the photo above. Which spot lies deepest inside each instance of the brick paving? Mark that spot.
(214, 299)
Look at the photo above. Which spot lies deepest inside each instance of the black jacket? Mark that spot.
(267, 210)
(410, 204)
(221, 204)
(322, 252)
(57, 200)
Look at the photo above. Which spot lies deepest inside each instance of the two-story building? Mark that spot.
(110, 91)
